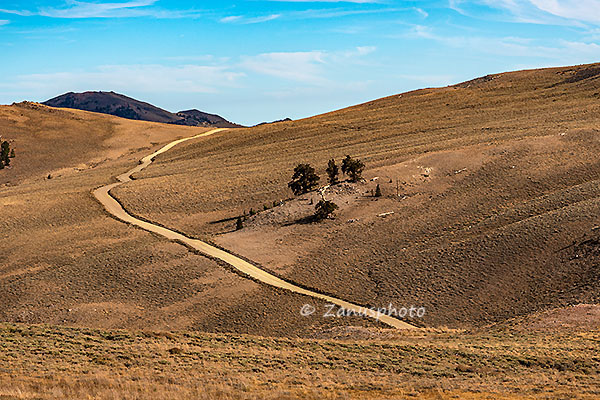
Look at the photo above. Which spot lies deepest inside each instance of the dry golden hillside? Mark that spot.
(497, 197)
(66, 261)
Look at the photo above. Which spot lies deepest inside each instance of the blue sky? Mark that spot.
(254, 61)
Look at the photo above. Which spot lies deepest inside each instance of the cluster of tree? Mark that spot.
(305, 179)
(351, 167)
(6, 153)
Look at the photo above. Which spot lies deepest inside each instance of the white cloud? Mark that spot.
(132, 78)
(240, 19)
(310, 67)
(561, 52)
(364, 50)
(265, 18)
(546, 11)
(583, 10)
(423, 13)
(232, 18)
(297, 66)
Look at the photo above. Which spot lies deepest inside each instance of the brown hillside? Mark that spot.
(65, 261)
(498, 184)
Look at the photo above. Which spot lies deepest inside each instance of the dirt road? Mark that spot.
(115, 209)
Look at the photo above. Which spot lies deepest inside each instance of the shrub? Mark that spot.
(378, 191)
(324, 209)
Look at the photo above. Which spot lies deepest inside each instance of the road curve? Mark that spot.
(115, 209)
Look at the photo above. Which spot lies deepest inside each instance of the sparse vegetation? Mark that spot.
(304, 179)
(239, 224)
(325, 209)
(47, 362)
(378, 191)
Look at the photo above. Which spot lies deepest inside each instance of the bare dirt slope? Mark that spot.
(498, 197)
(65, 261)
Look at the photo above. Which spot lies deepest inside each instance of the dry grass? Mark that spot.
(46, 362)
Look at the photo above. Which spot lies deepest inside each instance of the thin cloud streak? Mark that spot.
(240, 19)
(82, 10)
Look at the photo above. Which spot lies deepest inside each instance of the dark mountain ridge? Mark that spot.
(126, 107)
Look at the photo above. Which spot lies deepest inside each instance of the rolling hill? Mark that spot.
(125, 107)
(489, 219)
(493, 185)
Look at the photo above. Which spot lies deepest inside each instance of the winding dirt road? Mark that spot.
(115, 209)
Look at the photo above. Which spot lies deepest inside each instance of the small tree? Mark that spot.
(12, 153)
(239, 224)
(5, 152)
(324, 209)
(353, 168)
(304, 179)
(346, 163)
(378, 191)
(332, 172)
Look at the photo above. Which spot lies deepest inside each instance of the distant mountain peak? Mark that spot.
(126, 107)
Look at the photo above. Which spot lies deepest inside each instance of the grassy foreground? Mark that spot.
(45, 362)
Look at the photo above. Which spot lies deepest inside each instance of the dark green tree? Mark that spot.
(239, 224)
(5, 152)
(332, 172)
(353, 168)
(346, 163)
(378, 191)
(324, 209)
(304, 179)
